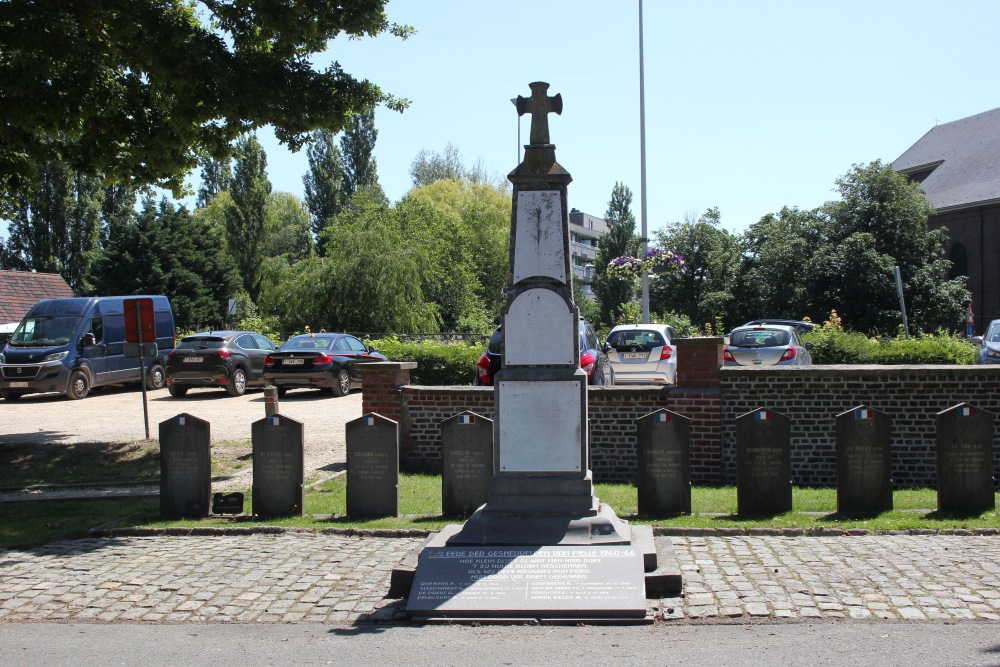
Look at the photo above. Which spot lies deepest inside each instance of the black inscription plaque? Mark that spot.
(278, 467)
(663, 450)
(467, 458)
(965, 460)
(547, 581)
(763, 463)
(864, 461)
(185, 467)
(372, 467)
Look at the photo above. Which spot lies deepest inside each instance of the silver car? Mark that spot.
(642, 354)
(766, 345)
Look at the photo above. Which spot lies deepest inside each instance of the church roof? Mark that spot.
(957, 163)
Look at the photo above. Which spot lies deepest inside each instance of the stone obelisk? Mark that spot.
(542, 490)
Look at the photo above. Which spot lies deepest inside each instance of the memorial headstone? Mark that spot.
(185, 467)
(372, 467)
(467, 463)
(864, 461)
(965, 460)
(663, 452)
(763, 463)
(278, 467)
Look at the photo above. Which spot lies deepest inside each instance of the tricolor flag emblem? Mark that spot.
(466, 419)
(762, 414)
(275, 420)
(182, 420)
(966, 411)
(369, 421)
(662, 417)
(863, 413)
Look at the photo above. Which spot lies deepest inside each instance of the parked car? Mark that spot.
(593, 360)
(74, 344)
(989, 351)
(799, 325)
(319, 361)
(766, 345)
(642, 354)
(230, 360)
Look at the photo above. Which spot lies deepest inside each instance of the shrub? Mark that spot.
(833, 345)
(438, 364)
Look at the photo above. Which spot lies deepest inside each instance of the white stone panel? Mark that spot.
(539, 329)
(540, 426)
(539, 249)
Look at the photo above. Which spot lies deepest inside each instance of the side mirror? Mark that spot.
(371, 348)
(88, 340)
(809, 346)
(607, 348)
(976, 340)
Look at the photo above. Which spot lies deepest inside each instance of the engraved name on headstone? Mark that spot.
(864, 461)
(278, 467)
(663, 451)
(185, 467)
(965, 460)
(372, 467)
(763, 463)
(467, 458)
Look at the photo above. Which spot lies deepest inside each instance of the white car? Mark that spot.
(642, 354)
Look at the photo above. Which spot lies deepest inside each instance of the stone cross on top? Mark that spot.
(539, 105)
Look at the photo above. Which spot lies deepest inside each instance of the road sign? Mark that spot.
(140, 326)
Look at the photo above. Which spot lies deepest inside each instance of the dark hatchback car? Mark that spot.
(593, 360)
(233, 360)
(319, 361)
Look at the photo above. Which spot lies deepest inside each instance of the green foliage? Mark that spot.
(833, 345)
(613, 293)
(246, 218)
(356, 147)
(324, 182)
(681, 323)
(438, 364)
(216, 177)
(137, 91)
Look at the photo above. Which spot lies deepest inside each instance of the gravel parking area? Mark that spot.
(116, 415)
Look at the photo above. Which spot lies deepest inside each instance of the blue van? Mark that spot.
(72, 345)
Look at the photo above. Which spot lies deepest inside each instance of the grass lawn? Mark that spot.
(23, 525)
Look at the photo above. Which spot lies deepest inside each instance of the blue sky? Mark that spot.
(750, 106)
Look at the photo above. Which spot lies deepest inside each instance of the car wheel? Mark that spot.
(282, 391)
(10, 396)
(79, 385)
(176, 390)
(157, 378)
(343, 385)
(237, 385)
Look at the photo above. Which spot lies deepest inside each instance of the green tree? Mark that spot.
(430, 166)
(246, 219)
(56, 225)
(137, 91)
(356, 146)
(704, 290)
(216, 176)
(288, 229)
(612, 293)
(324, 182)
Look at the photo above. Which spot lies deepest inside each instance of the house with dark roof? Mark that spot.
(958, 166)
(20, 290)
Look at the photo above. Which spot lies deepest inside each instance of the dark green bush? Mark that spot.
(438, 364)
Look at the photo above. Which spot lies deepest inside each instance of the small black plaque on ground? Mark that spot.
(227, 503)
(529, 582)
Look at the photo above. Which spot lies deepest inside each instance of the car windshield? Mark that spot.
(643, 339)
(44, 332)
(993, 335)
(200, 343)
(306, 344)
(759, 338)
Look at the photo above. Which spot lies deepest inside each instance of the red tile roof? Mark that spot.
(20, 290)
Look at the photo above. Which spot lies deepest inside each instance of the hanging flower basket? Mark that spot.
(625, 268)
(663, 262)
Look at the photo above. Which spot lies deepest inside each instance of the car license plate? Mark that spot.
(293, 362)
(634, 355)
(18, 385)
(193, 360)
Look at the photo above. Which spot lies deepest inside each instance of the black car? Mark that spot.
(319, 360)
(233, 360)
(593, 360)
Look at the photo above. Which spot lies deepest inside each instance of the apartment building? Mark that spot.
(584, 232)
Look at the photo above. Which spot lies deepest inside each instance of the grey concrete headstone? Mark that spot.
(467, 458)
(372, 467)
(278, 467)
(185, 467)
(763, 463)
(965, 460)
(864, 461)
(663, 451)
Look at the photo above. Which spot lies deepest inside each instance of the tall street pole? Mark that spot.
(642, 172)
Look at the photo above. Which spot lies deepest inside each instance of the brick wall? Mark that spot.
(382, 382)
(812, 397)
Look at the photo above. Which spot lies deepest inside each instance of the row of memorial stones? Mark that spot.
(763, 443)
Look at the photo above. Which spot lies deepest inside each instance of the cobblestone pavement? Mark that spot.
(308, 577)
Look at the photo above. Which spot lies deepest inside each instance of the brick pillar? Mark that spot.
(381, 382)
(698, 397)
